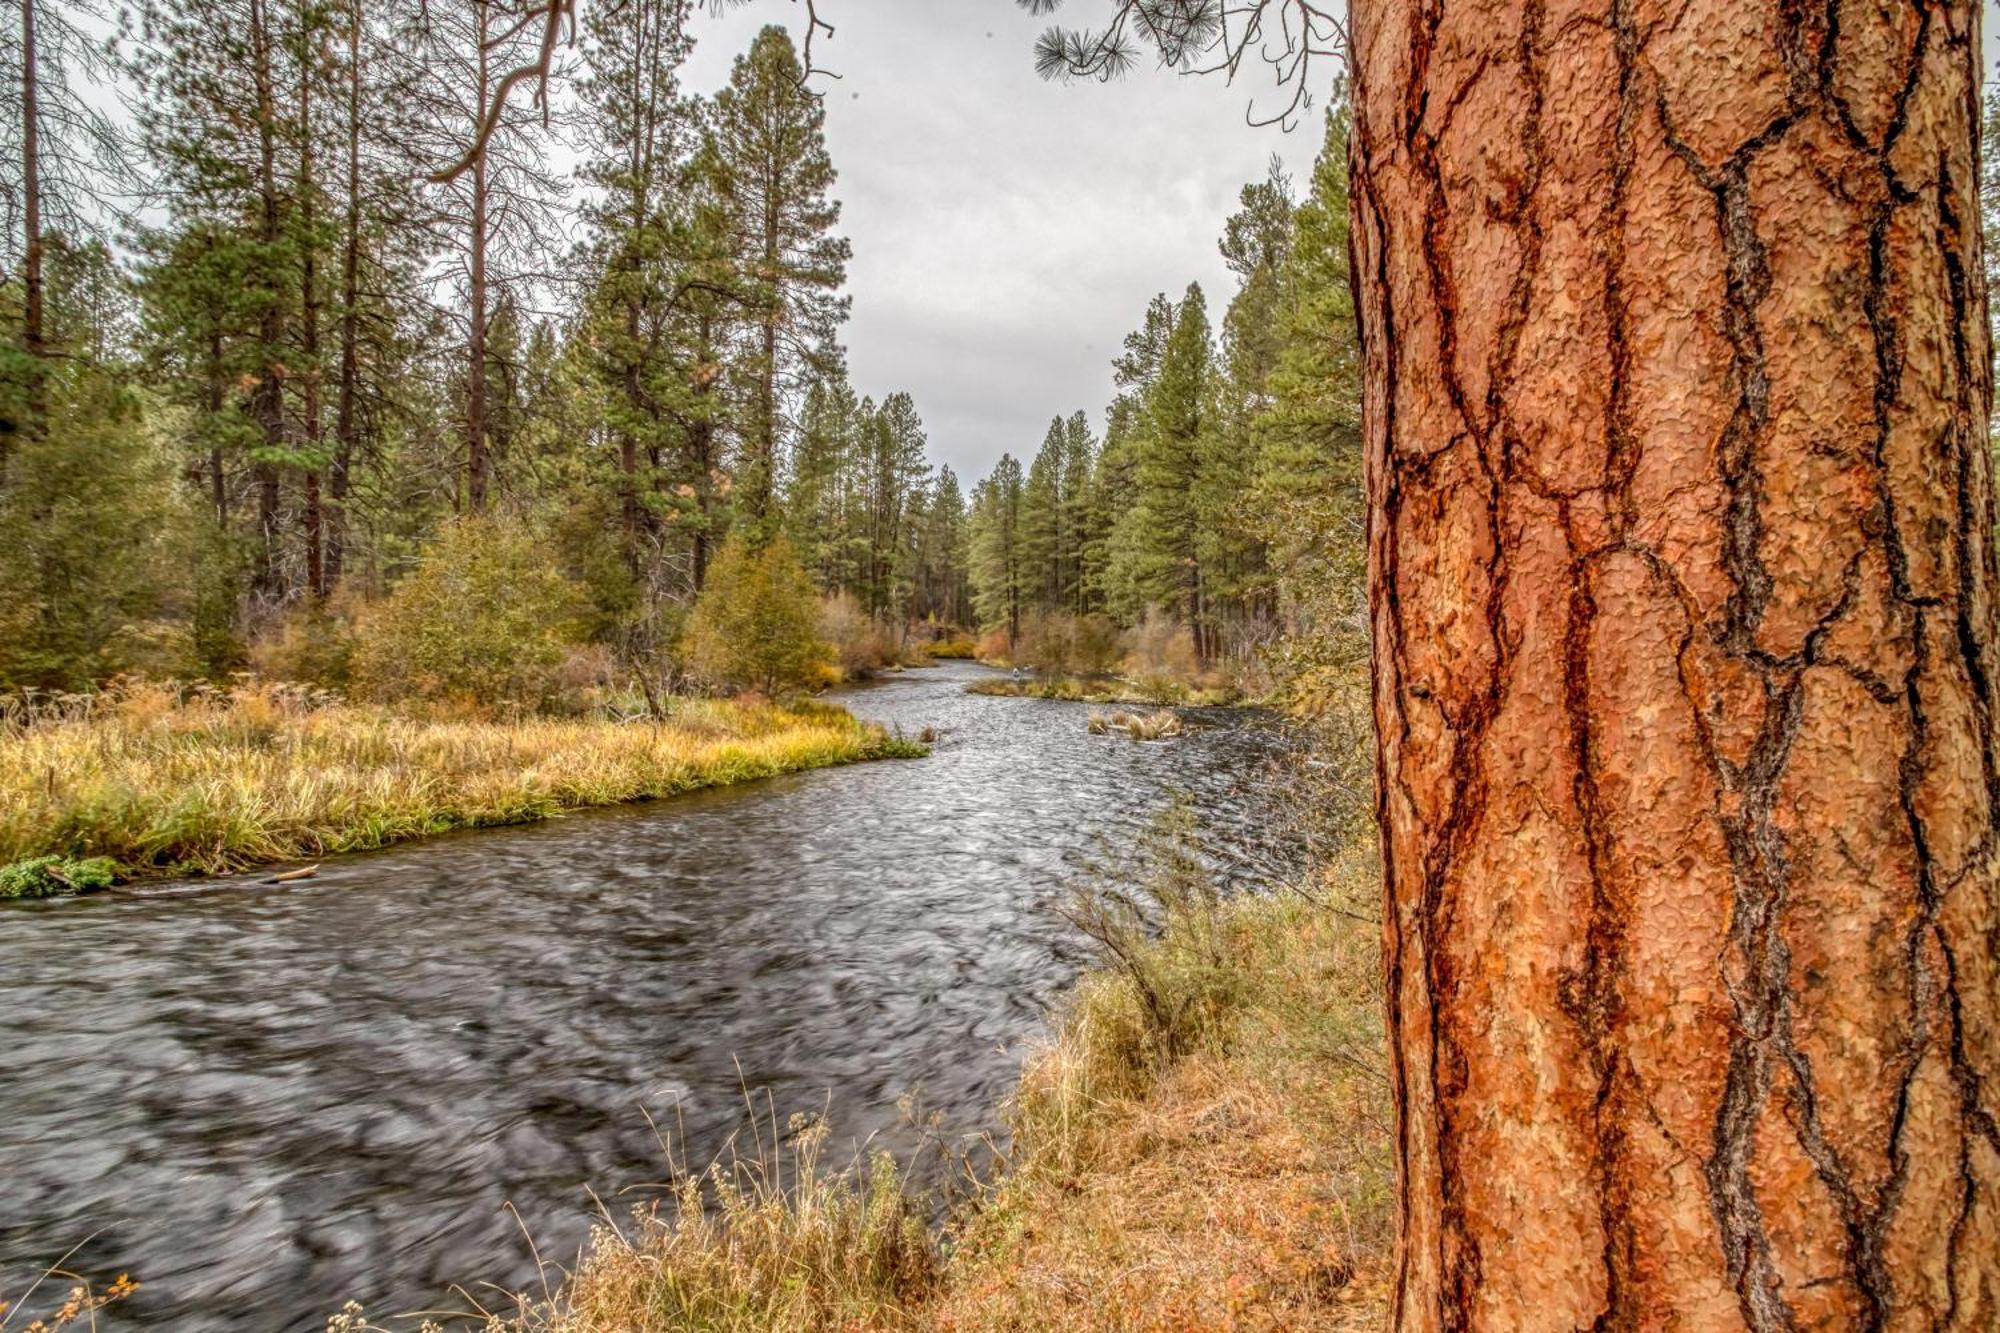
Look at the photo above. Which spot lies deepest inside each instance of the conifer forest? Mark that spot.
(999, 665)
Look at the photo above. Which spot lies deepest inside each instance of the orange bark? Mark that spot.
(1684, 614)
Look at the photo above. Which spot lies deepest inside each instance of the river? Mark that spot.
(265, 1100)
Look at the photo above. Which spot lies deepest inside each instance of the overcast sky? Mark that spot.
(1008, 232)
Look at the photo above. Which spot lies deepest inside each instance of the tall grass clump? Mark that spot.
(1203, 1141)
(170, 779)
(1160, 724)
(776, 1244)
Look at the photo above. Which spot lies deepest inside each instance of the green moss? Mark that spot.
(56, 877)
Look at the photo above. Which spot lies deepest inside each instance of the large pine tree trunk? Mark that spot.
(1683, 587)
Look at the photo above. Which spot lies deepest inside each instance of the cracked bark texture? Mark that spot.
(1685, 659)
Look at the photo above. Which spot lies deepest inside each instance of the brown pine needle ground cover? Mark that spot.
(1202, 1144)
(166, 782)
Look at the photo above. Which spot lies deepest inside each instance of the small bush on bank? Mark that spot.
(1160, 657)
(1055, 644)
(864, 644)
(955, 647)
(483, 621)
(994, 648)
(756, 624)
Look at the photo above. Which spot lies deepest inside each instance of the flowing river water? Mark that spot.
(265, 1100)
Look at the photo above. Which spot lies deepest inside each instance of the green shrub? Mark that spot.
(756, 624)
(483, 620)
(56, 877)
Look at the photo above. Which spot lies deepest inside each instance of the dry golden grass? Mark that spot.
(164, 782)
(1160, 724)
(1244, 1184)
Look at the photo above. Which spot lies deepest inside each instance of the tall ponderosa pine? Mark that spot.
(641, 132)
(941, 592)
(769, 135)
(1677, 387)
(1304, 498)
(226, 87)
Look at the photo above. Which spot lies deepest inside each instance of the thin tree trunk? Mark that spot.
(1683, 594)
(475, 380)
(269, 399)
(33, 337)
(346, 426)
(313, 518)
(703, 439)
(218, 481)
(767, 388)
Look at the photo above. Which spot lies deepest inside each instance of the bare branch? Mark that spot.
(815, 25)
(556, 15)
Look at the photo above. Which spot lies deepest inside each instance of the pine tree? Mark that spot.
(1044, 522)
(1162, 543)
(770, 142)
(896, 480)
(217, 124)
(645, 248)
(817, 501)
(994, 562)
(1079, 514)
(1305, 495)
(941, 592)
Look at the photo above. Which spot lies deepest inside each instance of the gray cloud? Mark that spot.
(1008, 232)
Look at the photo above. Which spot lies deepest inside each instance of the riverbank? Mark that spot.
(164, 783)
(1202, 1143)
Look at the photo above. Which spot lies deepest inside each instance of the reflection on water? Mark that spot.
(266, 1100)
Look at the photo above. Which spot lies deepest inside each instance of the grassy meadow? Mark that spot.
(162, 781)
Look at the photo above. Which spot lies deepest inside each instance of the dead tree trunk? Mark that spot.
(1683, 596)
